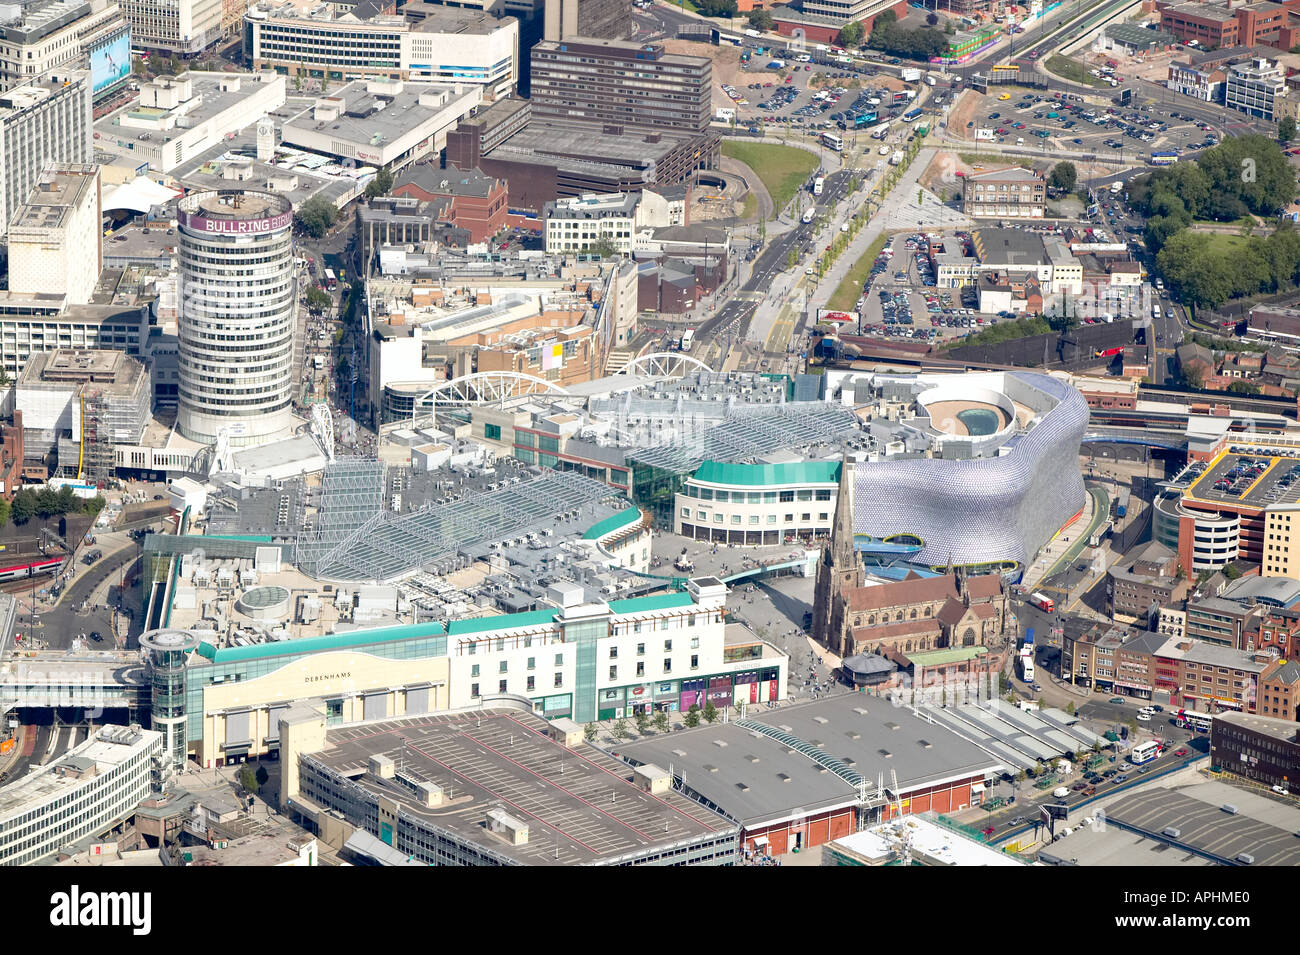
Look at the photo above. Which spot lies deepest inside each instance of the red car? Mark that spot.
(1180, 752)
(988, 830)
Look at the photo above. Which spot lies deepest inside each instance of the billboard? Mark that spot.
(984, 134)
(110, 62)
(836, 315)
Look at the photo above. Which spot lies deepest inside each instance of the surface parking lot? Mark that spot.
(903, 290)
(1093, 124)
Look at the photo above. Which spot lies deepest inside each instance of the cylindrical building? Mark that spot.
(237, 301)
(168, 651)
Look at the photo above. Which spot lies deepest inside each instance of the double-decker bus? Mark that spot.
(833, 141)
(331, 281)
(1027, 663)
(1042, 602)
(1164, 159)
(1144, 752)
(1193, 719)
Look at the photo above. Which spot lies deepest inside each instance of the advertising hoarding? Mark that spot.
(110, 63)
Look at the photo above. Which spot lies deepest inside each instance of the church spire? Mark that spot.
(843, 553)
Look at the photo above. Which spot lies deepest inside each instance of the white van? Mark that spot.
(1020, 140)
(1155, 311)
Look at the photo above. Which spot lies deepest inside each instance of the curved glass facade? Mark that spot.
(987, 510)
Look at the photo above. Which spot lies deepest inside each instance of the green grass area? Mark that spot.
(849, 290)
(1069, 69)
(783, 169)
(751, 207)
(1222, 242)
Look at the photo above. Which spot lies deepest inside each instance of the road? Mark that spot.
(729, 321)
(61, 623)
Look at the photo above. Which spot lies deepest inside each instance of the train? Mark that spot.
(37, 568)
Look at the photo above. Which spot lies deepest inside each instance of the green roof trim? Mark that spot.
(758, 475)
(615, 522)
(655, 602)
(254, 538)
(330, 641)
(207, 650)
(501, 621)
(953, 655)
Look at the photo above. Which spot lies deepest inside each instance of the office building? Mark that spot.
(180, 28)
(1264, 749)
(1226, 25)
(387, 123)
(630, 85)
(179, 117)
(432, 790)
(603, 19)
(1279, 691)
(45, 122)
(1256, 89)
(93, 788)
(80, 404)
(1141, 583)
(42, 35)
(424, 42)
(237, 296)
(1202, 83)
(578, 223)
(54, 239)
(1012, 193)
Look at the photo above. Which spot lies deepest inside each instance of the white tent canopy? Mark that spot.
(139, 195)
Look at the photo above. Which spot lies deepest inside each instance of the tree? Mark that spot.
(716, 8)
(137, 66)
(262, 776)
(1243, 388)
(693, 716)
(316, 216)
(620, 729)
(710, 711)
(1069, 708)
(4, 512)
(931, 19)
(851, 34)
(1286, 129)
(661, 721)
(381, 185)
(1231, 571)
(589, 731)
(642, 722)
(1063, 177)
(318, 299)
(791, 258)
(761, 20)
(603, 248)
(247, 779)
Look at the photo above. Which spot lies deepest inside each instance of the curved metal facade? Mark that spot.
(988, 509)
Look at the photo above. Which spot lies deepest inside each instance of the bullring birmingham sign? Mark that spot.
(223, 226)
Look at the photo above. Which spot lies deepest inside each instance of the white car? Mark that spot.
(1281, 790)
(1144, 717)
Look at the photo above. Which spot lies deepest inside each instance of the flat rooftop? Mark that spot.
(580, 804)
(375, 119)
(56, 193)
(109, 748)
(1263, 828)
(212, 100)
(68, 366)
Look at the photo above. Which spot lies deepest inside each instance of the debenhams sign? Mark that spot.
(323, 677)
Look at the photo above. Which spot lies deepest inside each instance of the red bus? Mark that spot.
(1045, 604)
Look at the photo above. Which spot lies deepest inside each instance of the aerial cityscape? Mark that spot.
(385, 384)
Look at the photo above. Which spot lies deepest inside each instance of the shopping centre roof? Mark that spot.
(753, 431)
(355, 537)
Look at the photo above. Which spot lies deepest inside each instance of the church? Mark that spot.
(911, 615)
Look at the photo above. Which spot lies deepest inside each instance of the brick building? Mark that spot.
(1279, 691)
(476, 202)
(11, 456)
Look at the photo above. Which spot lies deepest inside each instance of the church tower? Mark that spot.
(839, 569)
